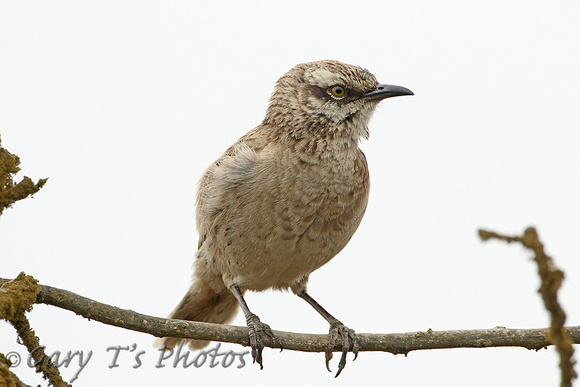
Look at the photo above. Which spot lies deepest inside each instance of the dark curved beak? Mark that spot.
(387, 91)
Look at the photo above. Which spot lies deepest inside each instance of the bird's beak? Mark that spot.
(387, 91)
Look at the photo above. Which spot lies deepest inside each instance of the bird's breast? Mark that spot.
(291, 217)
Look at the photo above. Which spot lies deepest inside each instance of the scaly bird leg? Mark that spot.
(255, 328)
(347, 335)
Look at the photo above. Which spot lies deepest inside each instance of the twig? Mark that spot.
(42, 362)
(551, 280)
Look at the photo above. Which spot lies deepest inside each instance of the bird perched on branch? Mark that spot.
(284, 200)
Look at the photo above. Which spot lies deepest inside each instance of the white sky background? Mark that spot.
(122, 105)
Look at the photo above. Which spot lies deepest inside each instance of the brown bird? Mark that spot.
(284, 200)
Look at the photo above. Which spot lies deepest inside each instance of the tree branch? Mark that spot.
(396, 343)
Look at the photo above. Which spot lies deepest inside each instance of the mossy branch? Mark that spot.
(16, 298)
(10, 192)
(551, 280)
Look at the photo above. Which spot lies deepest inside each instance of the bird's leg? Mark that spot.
(347, 335)
(255, 328)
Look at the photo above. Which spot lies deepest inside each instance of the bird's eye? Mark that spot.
(337, 91)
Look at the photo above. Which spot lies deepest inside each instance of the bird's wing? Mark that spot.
(234, 168)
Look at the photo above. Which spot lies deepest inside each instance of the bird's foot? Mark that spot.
(256, 328)
(349, 341)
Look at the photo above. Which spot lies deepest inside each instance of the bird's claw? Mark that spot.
(255, 329)
(349, 340)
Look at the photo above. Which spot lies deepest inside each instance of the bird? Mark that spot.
(283, 200)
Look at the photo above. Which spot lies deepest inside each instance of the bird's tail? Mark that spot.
(202, 303)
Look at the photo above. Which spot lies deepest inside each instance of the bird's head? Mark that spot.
(327, 98)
